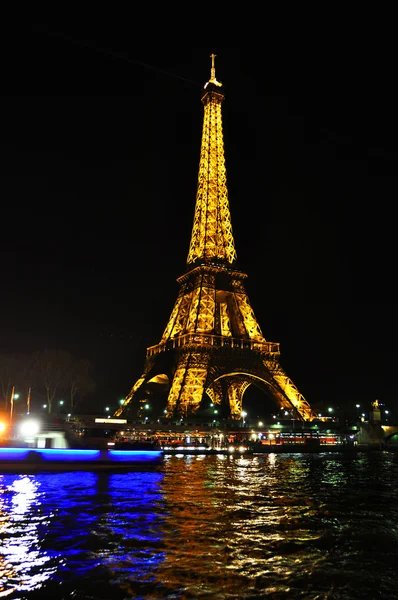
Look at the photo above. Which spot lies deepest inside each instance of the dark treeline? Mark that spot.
(51, 373)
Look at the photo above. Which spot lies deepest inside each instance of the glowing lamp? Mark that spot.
(29, 427)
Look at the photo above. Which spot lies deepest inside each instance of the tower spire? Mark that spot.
(213, 79)
(212, 239)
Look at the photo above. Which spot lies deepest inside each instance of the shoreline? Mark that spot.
(33, 460)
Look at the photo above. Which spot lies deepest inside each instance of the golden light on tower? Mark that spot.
(212, 228)
(212, 344)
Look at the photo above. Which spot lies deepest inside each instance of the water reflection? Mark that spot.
(91, 526)
(21, 559)
(230, 526)
(240, 527)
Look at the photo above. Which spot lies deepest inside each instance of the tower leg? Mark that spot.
(188, 384)
(291, 392)
(236, 389)
(215, 392)
(129, 396)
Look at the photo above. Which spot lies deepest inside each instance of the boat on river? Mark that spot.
(36, 449)
(61, 459)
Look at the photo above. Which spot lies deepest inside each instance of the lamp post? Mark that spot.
(12, 401)
(14, 396)
(28, 401)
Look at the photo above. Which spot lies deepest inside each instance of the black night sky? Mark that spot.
(100, 141)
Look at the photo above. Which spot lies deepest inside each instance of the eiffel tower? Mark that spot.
(212, 345)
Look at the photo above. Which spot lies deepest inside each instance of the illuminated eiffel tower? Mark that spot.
(212, 344)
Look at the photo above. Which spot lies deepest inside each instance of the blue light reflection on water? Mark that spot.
(64, 526)
(322, 526)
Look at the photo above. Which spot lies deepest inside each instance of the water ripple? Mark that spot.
(293, 526)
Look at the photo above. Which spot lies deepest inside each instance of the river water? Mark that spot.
(311, 526)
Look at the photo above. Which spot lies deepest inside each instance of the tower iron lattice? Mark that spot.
(213, 345)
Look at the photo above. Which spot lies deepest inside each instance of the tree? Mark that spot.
(52, 368)
(58, 371)
(15, 371)
(8, 370)
(80, 381)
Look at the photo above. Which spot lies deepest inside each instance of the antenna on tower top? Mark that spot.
(213, 79)
(213, 68)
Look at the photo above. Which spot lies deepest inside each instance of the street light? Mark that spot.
(14, 396)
